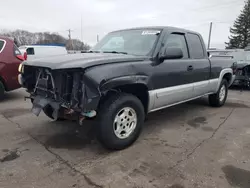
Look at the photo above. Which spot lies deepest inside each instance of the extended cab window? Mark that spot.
(195, 46)
(30, 51)
(177, 41)
(1, 45)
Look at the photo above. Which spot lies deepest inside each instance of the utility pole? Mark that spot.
(81, 35)
(70, 40)
(97, 38)
(81, 29)
(210, 33)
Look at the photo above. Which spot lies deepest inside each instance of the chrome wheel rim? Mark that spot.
(125, 122)
(222, 93)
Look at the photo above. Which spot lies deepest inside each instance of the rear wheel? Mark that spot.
(218, 99)
(120, 120)
(2, 90)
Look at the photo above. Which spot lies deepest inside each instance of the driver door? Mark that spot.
(173, 77)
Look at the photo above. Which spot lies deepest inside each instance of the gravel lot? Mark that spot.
(187, 146)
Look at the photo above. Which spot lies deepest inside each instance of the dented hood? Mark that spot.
(82, 60)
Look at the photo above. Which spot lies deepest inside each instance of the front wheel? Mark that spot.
(120, 120)
(218, 99)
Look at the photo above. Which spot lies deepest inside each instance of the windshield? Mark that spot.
(136, 42)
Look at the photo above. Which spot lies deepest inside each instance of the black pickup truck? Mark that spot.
(127, 75)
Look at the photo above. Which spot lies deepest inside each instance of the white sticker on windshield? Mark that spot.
(150, 32)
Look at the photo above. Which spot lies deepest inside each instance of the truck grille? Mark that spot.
(56, 85)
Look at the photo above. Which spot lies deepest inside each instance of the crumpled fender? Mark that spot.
(99, 80)
(124, 80)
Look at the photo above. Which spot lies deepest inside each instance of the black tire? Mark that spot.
(214, 99)
(2, 90)
(106, 117)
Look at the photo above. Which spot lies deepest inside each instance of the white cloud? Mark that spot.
(102, 16)
(151, 16)
(104, 7)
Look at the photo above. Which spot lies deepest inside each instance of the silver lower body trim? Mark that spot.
(153, 110)
(165, 97)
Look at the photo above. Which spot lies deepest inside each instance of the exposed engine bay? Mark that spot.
(242, 76)
(67, 89)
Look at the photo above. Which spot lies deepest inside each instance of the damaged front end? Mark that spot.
(66, 92)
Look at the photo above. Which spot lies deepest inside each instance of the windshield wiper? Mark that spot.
(115, 52)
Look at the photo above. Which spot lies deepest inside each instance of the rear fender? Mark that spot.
(222, 74)
(4, 84)
(2, 75)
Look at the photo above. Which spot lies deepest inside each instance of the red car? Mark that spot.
(10, 59)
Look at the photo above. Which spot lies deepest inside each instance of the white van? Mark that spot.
(42, 51)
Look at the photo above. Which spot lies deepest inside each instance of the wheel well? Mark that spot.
(228, 77)
(4, 85)
(139, 90)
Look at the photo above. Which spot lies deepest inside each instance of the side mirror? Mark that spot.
(172, 53)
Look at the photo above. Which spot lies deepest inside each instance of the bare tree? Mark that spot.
(23, 37)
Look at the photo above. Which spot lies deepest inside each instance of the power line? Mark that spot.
(206, 22)
(218, 5)
(225, 22)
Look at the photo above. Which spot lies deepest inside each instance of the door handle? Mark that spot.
(190, 68)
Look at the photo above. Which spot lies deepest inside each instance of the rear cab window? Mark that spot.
(196, 49)
(2, 45)
(30, 51)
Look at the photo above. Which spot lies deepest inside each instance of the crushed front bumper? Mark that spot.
(68, 90)
(39, 103)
